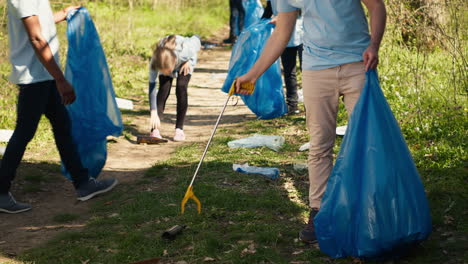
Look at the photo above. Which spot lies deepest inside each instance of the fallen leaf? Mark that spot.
(249, 250)
(165, 253)
(207, 259)
(448, 220)
(242, 242)
(85, 261)
(298, 252)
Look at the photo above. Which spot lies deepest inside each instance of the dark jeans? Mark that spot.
(33, 101)
(288, 60)
(237, 15)
(165, 83)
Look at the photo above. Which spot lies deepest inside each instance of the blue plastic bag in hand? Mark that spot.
(374, 206)
(94, 114)
(267, 101)
(253, 13)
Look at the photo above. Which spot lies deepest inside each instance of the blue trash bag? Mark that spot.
(94, 115)
(253, 13)
(267, 101)
(374, 206)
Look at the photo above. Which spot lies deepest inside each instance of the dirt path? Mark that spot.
(126, 161)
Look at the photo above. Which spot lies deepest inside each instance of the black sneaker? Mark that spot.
(94, 187)
(230, 40)
(293, 110)
(10, 206)
(307, 235)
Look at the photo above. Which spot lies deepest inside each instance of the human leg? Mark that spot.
(288, 60)
(233, 17)
(31, 104)
(182, 105)
(321, 95)
(182, 99)
(165, 83)
(353, 79)
(241, 16)
(57, 114)
(61, 126)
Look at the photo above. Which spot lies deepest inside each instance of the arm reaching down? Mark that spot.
(378, 17)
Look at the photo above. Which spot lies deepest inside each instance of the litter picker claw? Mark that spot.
(189, 194)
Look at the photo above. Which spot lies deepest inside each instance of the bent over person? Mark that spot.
(338, 50)
(42, 90)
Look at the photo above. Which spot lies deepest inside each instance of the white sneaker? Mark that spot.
(155, 133)
(179, 135)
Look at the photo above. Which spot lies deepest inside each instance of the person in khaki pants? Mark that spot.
(338, 50)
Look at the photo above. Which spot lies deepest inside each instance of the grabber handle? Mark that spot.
(247, 86)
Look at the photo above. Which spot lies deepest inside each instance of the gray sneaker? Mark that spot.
(10, 206)
(94, 187)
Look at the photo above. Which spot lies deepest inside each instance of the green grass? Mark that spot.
(245, 218)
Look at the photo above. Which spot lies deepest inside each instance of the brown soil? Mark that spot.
(127, 161)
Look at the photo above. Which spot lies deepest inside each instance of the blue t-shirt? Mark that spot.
(336, 32)
(296, 36)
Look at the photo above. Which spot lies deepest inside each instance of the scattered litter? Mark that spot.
(300, 96)
(341, 130)
(5, 135)
(257, 140)
(172, 232)
(218, 76)
(304, 147)
(300, 166)
(2, 150)
(272, 173)
(124, 103)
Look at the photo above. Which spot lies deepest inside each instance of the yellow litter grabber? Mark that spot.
(189, 194)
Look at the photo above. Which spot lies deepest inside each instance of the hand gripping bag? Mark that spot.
(374, 206)
(94, 115)
(267, 101)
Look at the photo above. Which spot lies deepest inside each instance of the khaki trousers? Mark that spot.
(322, 90)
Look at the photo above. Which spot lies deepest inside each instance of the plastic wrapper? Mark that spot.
(374, 206)
(267, 100)
(257, 140)
(269, 172)
(94, 115)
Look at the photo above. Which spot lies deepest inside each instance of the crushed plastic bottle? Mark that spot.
(257, 140)
(269, 172)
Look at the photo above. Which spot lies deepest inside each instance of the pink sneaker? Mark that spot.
(155, 133)
(179, 135)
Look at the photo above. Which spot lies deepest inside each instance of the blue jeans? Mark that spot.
(34, 100)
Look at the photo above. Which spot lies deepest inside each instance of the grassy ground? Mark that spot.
(247, 218)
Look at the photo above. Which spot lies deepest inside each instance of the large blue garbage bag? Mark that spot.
(253, 13)
(267, 101)
(374, 206)
(94, 114)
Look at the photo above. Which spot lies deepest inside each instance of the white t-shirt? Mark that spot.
(26, 67)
